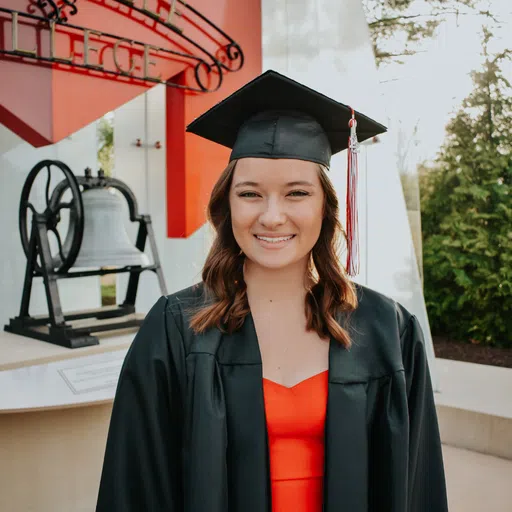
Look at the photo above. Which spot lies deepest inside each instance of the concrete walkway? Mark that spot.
(477, 482)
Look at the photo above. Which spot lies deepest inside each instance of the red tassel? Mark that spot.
(352, 218)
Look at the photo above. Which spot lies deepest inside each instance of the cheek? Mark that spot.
(310, 221)
(242, 217)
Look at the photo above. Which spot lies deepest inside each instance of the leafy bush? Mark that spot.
(467, 215)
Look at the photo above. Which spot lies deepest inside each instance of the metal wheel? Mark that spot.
(52, 208)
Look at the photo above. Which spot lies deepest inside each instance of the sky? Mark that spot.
(430, 86)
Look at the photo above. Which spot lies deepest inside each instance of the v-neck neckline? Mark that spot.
(303, 381)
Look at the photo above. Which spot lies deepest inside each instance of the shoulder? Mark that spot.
(379, 328)
(181, 307)
(183, 303)
(169, 316)
(378, 307)
(166, 326)
(192, 295)
(177, 306)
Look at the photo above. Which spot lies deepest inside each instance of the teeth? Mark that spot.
(274, 240)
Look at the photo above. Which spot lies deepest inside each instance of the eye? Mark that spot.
(298, 193)
(248, 194)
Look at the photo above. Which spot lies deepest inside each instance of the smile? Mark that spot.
(274, 239)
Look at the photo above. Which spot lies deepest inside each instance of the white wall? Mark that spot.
(16, 160)
(143, 169)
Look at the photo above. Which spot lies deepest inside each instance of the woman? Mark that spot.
(277, 383)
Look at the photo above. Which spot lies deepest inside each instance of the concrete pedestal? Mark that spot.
(55, 407)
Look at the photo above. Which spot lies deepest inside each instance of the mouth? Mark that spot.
(274, 241)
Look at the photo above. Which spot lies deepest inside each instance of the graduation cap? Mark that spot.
(274, 116)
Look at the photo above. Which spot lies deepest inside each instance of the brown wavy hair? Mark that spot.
(227, 305)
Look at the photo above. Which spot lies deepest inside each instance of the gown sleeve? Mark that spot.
(426, 479)
(142, 469)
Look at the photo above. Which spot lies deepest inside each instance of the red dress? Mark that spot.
(295, 423)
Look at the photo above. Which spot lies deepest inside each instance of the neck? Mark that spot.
(279, 285)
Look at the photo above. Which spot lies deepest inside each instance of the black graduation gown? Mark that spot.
(188, 431)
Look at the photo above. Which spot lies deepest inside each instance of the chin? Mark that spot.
(272, 263)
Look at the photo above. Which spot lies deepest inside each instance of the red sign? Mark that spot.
(66, 63)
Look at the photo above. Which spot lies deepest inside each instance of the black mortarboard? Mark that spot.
(274, 116)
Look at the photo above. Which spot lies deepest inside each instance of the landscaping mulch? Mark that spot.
(446, 348)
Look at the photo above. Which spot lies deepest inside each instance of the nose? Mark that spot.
(273, 214)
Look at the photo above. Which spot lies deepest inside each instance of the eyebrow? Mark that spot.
(290, 184)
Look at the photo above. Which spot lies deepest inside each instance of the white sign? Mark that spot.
(93, 377)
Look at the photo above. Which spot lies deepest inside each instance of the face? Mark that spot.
(276, 210)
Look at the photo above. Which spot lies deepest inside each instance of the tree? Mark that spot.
(398, 27)
(467, 214)
(105, 135)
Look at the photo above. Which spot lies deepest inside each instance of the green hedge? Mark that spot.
(466, 203)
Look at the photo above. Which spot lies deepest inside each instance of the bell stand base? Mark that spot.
(63, 339)
(69, 336)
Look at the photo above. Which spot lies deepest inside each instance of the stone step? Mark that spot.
(474, 407)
